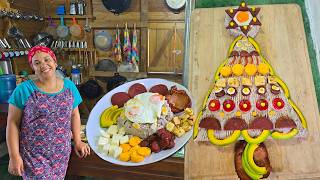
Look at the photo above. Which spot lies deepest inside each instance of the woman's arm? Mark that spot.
(12, 135)
(76, 125)
(81, 149)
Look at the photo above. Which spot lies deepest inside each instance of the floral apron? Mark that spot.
(45, 137)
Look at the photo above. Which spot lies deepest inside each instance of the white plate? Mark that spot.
(93, 124)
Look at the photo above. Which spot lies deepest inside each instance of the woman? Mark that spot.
(41, 114)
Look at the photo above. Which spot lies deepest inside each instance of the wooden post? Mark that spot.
(144, 36)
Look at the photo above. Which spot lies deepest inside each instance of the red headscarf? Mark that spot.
(44, 49)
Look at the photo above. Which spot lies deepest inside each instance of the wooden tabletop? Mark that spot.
(283, 43)
(168, 169)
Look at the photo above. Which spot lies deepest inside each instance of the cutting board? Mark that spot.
(283, 43)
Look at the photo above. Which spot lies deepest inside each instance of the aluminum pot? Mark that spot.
(103, 40)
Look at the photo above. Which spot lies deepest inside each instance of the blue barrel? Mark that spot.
(7, 85)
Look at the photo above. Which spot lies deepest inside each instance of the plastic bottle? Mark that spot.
(7, 84)
(75, 76)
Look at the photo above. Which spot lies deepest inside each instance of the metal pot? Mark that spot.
(116, 6)
(103, 40)
(106, 65)
(42, 39)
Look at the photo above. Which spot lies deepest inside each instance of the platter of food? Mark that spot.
(141, 122)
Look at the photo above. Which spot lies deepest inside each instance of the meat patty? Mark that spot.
(238, 150)
(210, 123)
(120, 98)
(136, 89)
(260, 157)
(263, 123)
(285, 122)
(160, 88)
(235, 124)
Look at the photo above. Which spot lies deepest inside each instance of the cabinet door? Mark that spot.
(165, 47)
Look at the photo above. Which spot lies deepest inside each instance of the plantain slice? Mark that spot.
(257, 140)
(284, 136)
(223, 142)
(252, 164)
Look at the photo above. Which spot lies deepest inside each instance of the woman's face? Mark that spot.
(43, 65)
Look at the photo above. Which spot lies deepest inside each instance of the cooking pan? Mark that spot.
(103, 40)
(76, 30)
(62, 30)
(176, 5)
(116, 6)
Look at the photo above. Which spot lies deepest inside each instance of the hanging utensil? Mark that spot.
(6, 42)
(2, 44)
(51, 28)
(62, 30)
(27, 43)
(87, 27)
(76, 30)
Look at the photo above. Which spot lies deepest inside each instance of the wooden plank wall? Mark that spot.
(155, 28)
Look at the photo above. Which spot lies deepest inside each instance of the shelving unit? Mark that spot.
(70, 16)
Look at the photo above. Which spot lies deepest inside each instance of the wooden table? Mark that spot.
(282, 41)
(168, 169)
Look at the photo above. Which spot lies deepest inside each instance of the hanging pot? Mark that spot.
(176, 5)
(103, 40)
(116, 6)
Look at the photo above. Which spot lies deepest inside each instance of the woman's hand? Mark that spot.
(82, 149)
(16, 166)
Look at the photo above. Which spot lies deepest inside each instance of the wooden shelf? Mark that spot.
(15, 49)
(71, 16)
(113, 25)
(74, 49)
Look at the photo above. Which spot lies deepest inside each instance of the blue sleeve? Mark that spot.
(75, 93)
(18, 97)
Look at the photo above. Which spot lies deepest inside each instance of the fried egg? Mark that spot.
(144, 108)
(243, 18)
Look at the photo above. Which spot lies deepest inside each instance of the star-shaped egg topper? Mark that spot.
(243, 17)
